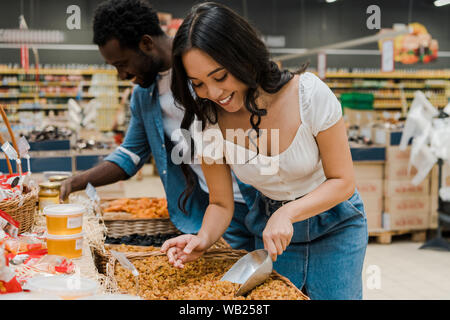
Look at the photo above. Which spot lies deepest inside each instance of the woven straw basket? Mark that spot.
(120, 228)
(215, 254)
(117, 228)
(22, 209)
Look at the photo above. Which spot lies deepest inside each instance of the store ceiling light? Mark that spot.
(331, 1)
(440, 3)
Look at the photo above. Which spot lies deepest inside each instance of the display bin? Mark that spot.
(119, 227)
(276, 287)
(22, 209)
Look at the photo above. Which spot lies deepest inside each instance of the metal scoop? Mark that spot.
(250, 270)
(123, 260)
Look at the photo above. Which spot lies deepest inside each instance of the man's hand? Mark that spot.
(66, 189)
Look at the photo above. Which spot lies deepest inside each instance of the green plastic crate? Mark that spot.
(357, 100)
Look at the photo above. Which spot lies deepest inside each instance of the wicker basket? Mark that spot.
(214, 254)
(102, 256)
(117, 228)
(22, 209)
(120, 228)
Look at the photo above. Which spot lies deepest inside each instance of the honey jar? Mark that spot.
(64, 219)
(48, 194)
(59, 179)
(69, 246)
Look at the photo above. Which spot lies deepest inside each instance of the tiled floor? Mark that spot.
(399, 270)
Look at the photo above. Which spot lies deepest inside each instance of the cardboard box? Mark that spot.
(394, 154)
(368, 171)
(370, 187)
(396, 222)
(371, 191)
(404, 188)
(433, 212)
(434, 181)
(373, 206)
(407, 213)
(374, 220)
(399, 171)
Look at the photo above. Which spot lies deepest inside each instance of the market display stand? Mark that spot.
(49, 89)
(390, 89)
(57, 155)
(394, 207)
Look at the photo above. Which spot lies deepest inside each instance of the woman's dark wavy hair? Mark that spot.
(233, 43)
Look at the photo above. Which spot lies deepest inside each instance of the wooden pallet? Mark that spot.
(385, 236)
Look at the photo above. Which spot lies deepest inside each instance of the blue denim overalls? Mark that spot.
(326, 254)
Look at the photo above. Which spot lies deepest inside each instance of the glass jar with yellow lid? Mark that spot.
(48, 194)
(57, 178)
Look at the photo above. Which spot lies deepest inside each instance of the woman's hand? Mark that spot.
(278, 232)
(184, 248)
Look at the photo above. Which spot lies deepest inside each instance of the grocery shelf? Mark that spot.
(368, 153)
(50, 145)
(65, 83)
(390, 86)
(40, 164)
(58, 71)
(390, 75)
(54, 95)
(85, 162)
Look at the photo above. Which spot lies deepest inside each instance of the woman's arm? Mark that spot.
(338, 168)
(221, 202)
(339, 186)
(216, 220)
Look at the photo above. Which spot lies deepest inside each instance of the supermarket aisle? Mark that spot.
(398, 271)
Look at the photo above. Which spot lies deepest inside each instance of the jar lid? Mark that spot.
(64, 209)
(57, 178)
(50, 185)
(64, 237)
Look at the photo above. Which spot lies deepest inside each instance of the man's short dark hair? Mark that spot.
(125, 20)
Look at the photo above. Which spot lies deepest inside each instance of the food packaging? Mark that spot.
(69, 246)
(64, 219)
(8, 224)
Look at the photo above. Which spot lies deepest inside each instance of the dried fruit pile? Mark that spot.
(199, 280)
(144, 208)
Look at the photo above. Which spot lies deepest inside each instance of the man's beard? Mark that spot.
(152, 68)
